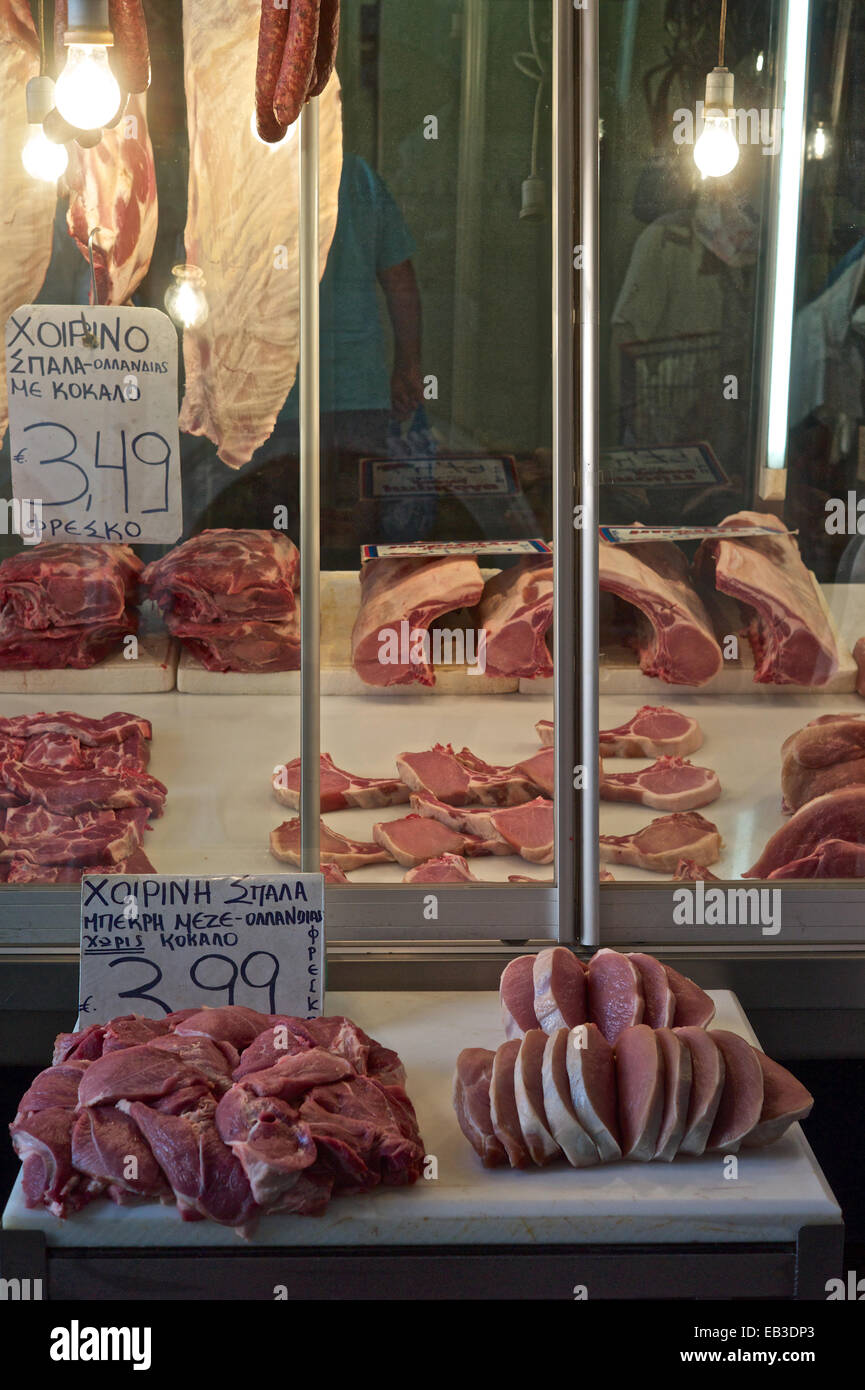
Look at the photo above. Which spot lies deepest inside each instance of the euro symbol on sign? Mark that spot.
(21, 456)
(85, 1007)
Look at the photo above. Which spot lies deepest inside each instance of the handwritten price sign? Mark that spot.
(156, 944)
(93, 421)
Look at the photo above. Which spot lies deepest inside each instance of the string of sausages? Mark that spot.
(297, 44)
(129, 59)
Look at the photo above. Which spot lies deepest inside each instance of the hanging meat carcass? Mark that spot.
(113, 187)
(28, 204)
(242, 232)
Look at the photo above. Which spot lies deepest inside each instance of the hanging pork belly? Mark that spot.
(242, 232)
(28, 204)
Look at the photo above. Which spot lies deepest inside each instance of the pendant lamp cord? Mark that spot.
(723, 34)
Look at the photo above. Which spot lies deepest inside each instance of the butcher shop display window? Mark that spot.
(731, 425)
(149, 691)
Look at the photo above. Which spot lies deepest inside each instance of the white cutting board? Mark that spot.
(619, 668)
(776, 1192)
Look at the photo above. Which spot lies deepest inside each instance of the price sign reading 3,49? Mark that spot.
(93, 421)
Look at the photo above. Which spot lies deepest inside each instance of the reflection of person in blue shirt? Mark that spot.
(360, 392)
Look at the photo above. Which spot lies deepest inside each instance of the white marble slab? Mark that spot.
(777, 1191)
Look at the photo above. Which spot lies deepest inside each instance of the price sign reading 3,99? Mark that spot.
(93, 421)
(151, 945)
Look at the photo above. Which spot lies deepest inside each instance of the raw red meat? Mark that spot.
(462, 779)
(559, 982)
(56, 1088)
(828, 859)
(415, 839)
(234, 1024)
(615, 993)
(670, 784)
(113, 187)
(785, 1101)
(414, 592)
(678, 1077)
(675, 635)
(640, 1087)
(660, 1002)
(689, 871)
(529, 830)
(471, 1097)
(43, 1142)
(68, 793)
(693, 1005)
(285, 844)
(503, 1105)
(829, 753)
(707, 1085)
(229, 595)
(573, 1140)
(546, 731)
(111, 729)
(653, 732)
(66, 605)
(859, 658)
(540, 771)
(338, 789)
(446, 868)
(136, 1073)
(103, 1142)
(529, 1096)
(206, 1178)
(592, 1076)
(838, 815)
(517, 996)
(788, 628)
(32, 834)
(516, 612)
(742, 1097)
(660, 845)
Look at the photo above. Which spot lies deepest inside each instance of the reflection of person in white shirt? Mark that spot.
(690, 286)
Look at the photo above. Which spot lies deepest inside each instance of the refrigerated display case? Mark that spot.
(443, 347)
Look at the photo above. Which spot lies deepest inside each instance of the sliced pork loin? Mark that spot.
(463, 779)
(828, 859)
(546, 730)
(660, 1002)
(345, 854)
(529, 1096)
(693, 1005)
(689, 871)
(707, 1084)
(839, 815)
(503, 1105)
(515, 613)
(471, 1097)
(660, 845)
(471, 820)
(741, 1104)
(640, 1087)
(517, 997)
(574, 1141)
(670, 784)
(615, 993)
(592, 1078)
(655, 731)
(416, 591)
(529, 830)
(339, 789)
(785, 1101)
(413, 840)
(540, 771)
(560, 989)
(678, 1078)
(447, 868)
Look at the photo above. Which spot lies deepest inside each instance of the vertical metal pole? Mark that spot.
(470, 220)
(564, 460)
(310, 558)
(589, 449)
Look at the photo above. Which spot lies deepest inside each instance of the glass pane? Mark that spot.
(731, 400)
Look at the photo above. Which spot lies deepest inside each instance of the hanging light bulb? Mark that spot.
(716, 152)
(88, 93)
(819, 142)
(41, 157)
(185, 300)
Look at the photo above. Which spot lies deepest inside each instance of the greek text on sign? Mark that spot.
(408, 550)
(151, 945)
(666, 465)
(93, 421)
(414, 477)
